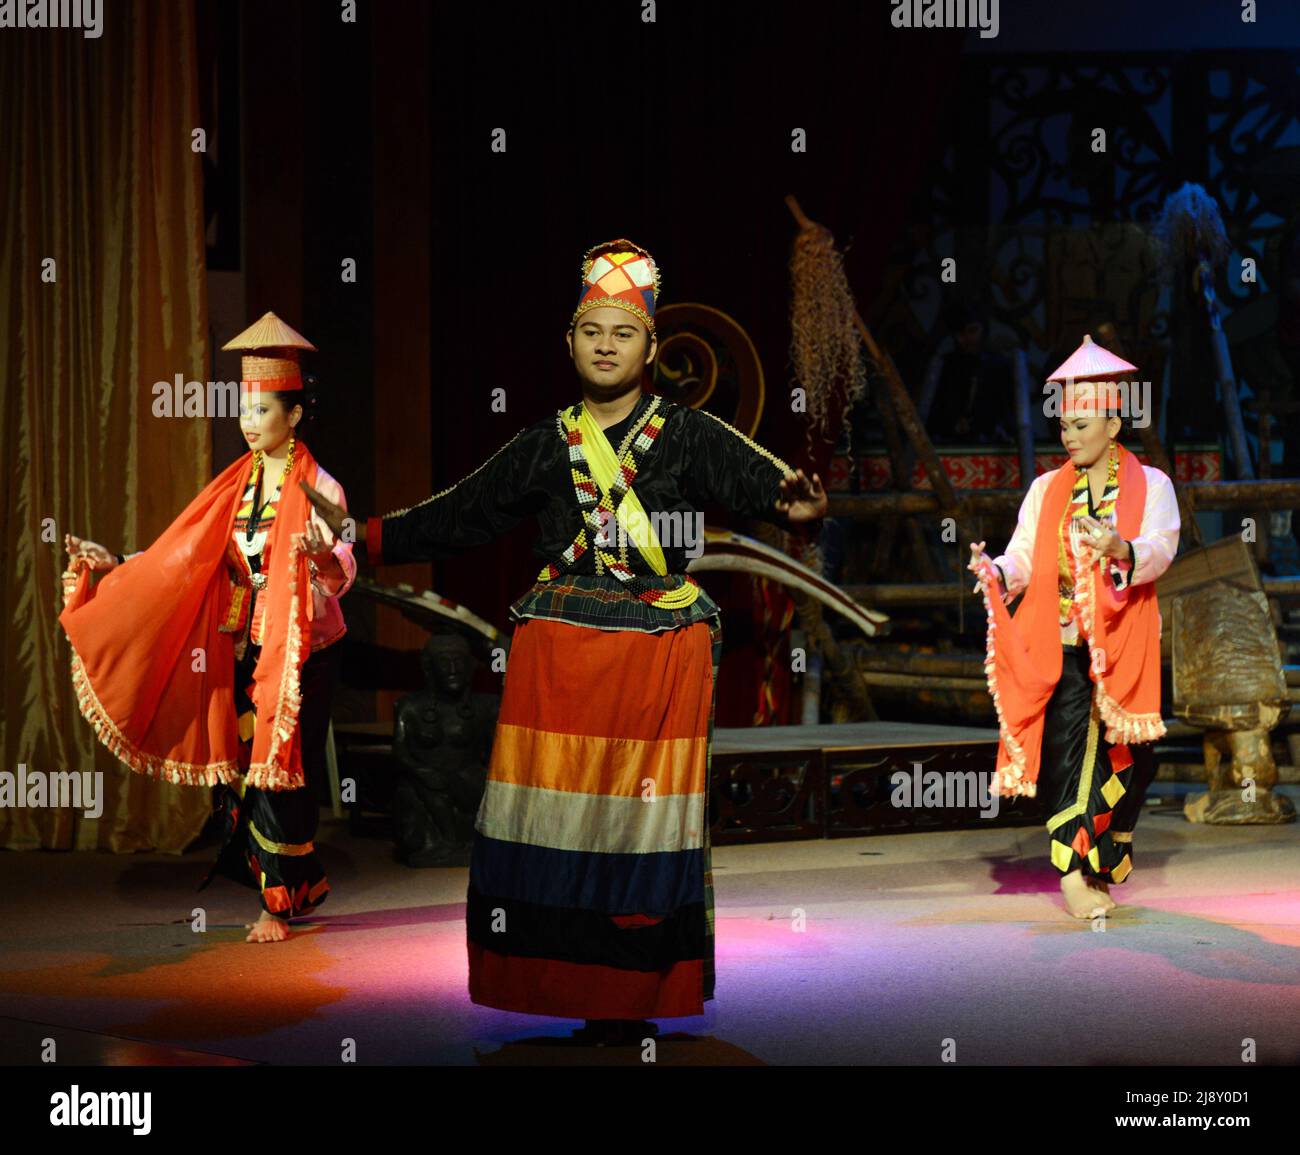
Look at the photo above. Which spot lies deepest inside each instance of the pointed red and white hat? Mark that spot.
(1090, 362)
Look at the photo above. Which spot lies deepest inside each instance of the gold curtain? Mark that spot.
(100, 179)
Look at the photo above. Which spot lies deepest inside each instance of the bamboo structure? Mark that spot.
(905, 435)
(1274, 493)
(942, 593)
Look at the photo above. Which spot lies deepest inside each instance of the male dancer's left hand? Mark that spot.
(801, 499)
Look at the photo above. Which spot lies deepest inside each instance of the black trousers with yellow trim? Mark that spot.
(268, 835)
(1091, 790)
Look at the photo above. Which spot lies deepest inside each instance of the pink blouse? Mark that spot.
(327, 625)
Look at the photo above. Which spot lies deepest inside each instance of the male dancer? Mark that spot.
(590, 892)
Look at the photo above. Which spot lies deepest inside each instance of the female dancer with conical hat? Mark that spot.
(209, 658)
(1075, 671)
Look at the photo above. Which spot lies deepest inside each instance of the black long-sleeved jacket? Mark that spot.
(696, 460)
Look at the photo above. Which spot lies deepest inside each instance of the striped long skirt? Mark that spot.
(590, 891)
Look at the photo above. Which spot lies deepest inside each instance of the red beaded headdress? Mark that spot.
(621, 274)
(275, 369)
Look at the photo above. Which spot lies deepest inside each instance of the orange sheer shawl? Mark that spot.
(1121, 627)
(154, 672)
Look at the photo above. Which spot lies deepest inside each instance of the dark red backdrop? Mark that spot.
(372, 141)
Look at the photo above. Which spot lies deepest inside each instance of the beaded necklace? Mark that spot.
(599, 510)
(1075, 508)
(253, 542)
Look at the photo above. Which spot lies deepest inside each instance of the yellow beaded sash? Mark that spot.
(630, 513)
(603, 484)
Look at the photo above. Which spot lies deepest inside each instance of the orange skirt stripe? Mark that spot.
(585, 764)
(618, 684)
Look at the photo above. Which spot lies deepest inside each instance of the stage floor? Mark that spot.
(908, 940)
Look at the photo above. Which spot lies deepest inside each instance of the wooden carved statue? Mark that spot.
(442, 737)
(1228, 679)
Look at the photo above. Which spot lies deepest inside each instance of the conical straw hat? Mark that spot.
(1090, 362)
(269, 332)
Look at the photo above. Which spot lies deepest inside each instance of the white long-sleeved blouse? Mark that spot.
(1153, 549)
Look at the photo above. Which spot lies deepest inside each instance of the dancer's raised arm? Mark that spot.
(489, 502)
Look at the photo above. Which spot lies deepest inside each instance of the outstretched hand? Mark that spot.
(801, 499)
(335, 516)
(980, 564)
(97, 557)
(314, 542)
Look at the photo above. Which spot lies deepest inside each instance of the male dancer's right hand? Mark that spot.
(336, 517)
(95, 554)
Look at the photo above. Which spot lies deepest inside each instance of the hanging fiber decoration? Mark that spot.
(825, 347)
(1189, 230)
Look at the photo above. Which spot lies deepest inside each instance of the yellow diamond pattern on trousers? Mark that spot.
(1113, 791)
(1062, 855)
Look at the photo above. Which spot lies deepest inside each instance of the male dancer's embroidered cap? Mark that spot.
(621, 274)
(274, 368)
(1089, 365)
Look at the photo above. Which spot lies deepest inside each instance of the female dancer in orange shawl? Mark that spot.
(231, 579)
(1082, 652)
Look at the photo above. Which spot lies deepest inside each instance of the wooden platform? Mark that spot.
(776, 783)
(773, 783)
(850, 736)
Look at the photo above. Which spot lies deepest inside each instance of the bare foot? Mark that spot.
(1101, 891)
(1080, 899)
(268, 928)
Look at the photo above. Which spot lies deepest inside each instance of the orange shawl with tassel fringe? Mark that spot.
(154, 671)
(1121, 627)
